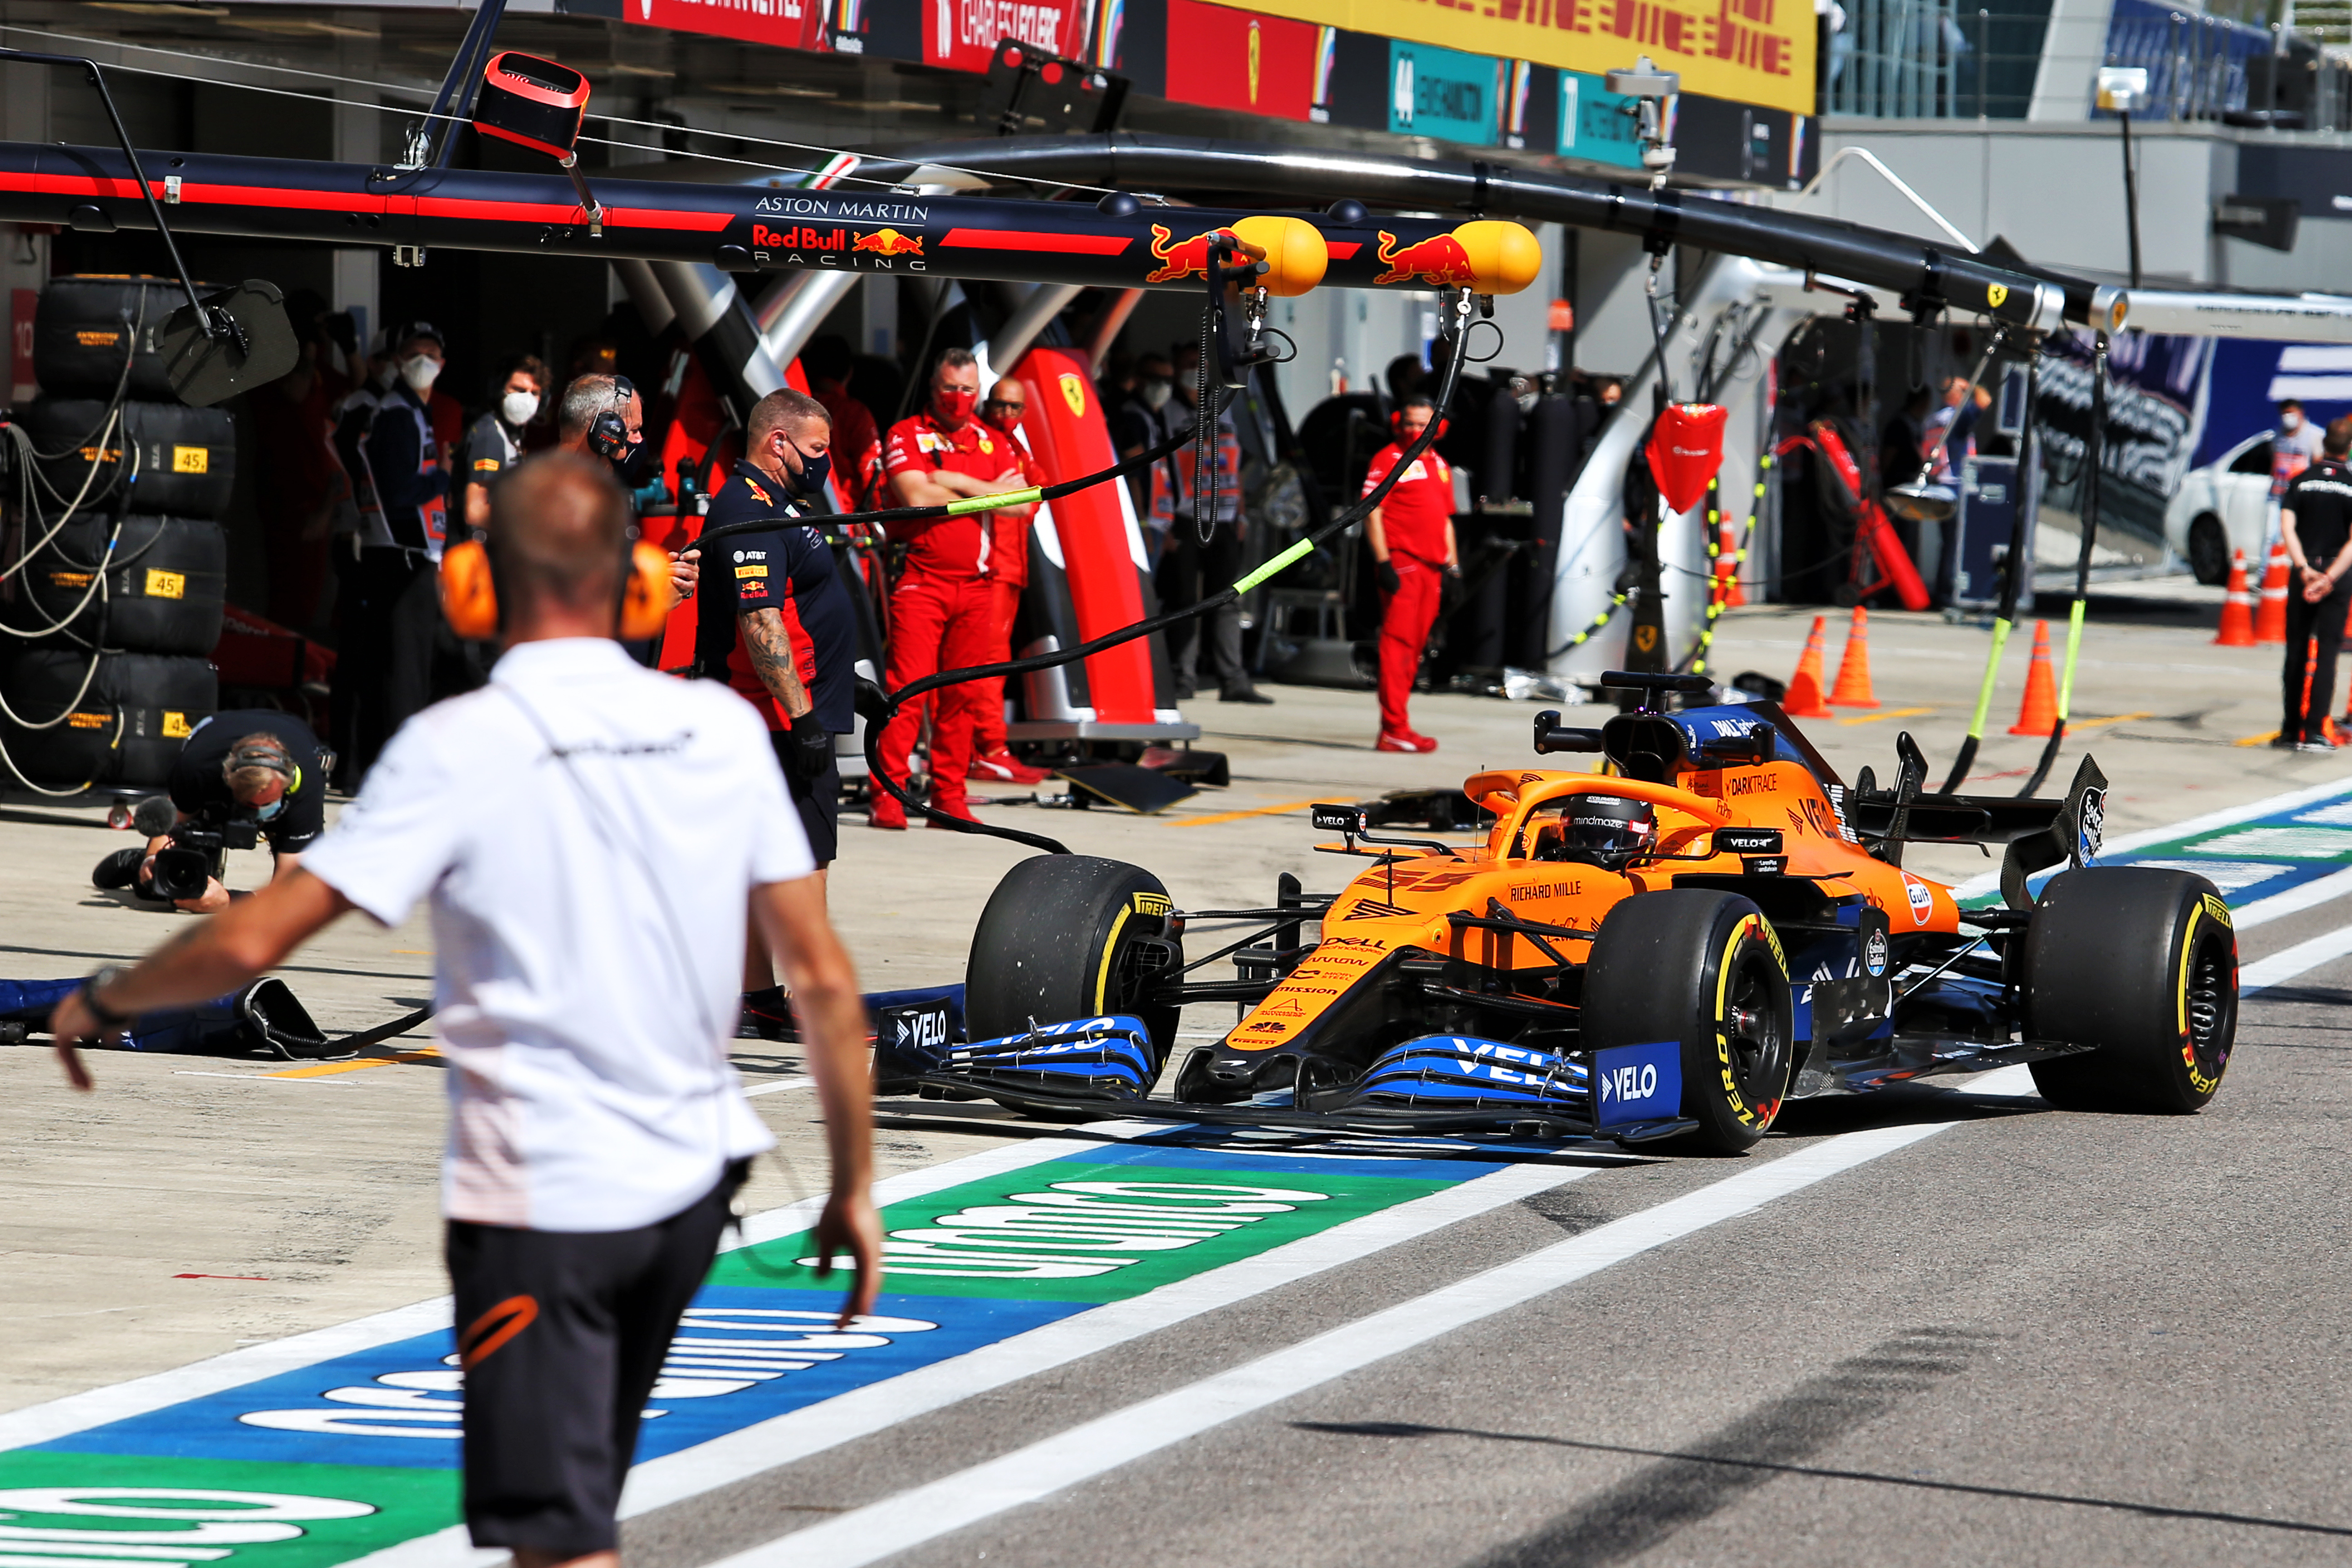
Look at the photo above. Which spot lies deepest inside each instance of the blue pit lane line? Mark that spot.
(2270, 858)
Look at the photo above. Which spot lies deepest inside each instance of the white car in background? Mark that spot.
(2222, 508)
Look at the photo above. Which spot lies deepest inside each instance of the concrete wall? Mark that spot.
(2072, 52)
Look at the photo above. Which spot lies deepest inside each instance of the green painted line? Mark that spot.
(287, 1516)
(342, 1457)
(992, 503)
(2073, 647)
(1992, 673)
(1296, 552)
(1081, 1232)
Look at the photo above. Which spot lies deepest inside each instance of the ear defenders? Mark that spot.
(1396, 427)
(470, 595)
(608, 433)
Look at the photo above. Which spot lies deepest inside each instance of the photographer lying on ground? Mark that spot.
(242, 776)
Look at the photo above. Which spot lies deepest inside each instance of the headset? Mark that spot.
(608, 434)
(1396, 427)
(475, 610)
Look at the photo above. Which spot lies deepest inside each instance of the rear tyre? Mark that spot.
(2209, 550)
(1072, 936)
(1704, 969)
(2141, 965)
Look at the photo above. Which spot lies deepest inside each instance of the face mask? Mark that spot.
(814, 472)
(956, 402)
(517, 407)
(265, 813)
(632, 466)
(2290, 421)
(1155, 393)
(385, 375)
(419, 372)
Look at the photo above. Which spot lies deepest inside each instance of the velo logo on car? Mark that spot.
(1637, 1083)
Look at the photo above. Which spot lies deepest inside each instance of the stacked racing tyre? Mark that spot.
(1704, 970)
(115, 560)
(2139, 965)
(113, 717)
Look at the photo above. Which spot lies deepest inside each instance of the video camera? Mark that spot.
(199, 848)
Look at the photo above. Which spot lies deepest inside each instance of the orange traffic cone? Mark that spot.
(2237, 608)
(1727, 569)
(1852, 689)
(2040, 714)
(2270, 616)
(1804, 698)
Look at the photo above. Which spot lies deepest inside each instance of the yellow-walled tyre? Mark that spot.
(1072, 936)
(2141, 965)
(1704, 969)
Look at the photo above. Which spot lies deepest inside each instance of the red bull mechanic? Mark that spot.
(942, 611)
(777, 623)
(1410, 535)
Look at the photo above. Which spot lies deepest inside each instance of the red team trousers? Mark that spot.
(1406, 616)
(938, 622)
(987, 696)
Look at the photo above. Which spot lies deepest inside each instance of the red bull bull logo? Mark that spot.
(1181, 258)
(889, 242)
(1439, 261)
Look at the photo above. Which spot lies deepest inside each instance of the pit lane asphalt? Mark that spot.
(2035, 1337)
(2163, 1295)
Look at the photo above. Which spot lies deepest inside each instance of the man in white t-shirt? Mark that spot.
(589, 836)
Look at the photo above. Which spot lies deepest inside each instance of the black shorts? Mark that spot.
(563, 1334)
(818, 800)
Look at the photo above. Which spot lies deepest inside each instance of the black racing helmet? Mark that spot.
(1609, 828)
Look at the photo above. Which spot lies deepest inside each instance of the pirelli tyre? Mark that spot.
(1704, 969)
(125, 726)
(2141, 965)
(161, 459)
(166, 588)
(86, 326)
(1072, 936)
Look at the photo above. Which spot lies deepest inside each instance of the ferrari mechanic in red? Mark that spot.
(1410, 533)
(943, 612)
(1008, 571)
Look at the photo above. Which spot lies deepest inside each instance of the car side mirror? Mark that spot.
(1551, 737)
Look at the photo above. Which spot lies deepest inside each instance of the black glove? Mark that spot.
(1385, 574)
(812, 746)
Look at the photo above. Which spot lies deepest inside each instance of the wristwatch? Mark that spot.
(105, 974)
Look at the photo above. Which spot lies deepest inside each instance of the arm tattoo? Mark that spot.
(770, 651)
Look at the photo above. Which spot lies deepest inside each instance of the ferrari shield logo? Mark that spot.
(1995, 293)
(1645, 637)
(1073, 393)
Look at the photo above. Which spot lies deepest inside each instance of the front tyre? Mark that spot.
(1072, 936)
(2141, 965)
(1704, 969)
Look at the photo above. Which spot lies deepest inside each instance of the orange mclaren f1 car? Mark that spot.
(1663, 950)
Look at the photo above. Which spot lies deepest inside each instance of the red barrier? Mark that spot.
(1069, 437)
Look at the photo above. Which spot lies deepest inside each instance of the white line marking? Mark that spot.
(658, 1483)
(778, 1087)
(1990, 882)
(920, 1514)
(2293, 901)
(754, 1450)
(78, 1412)
(247, 1076)
(2286, 964)
(908, 1518)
